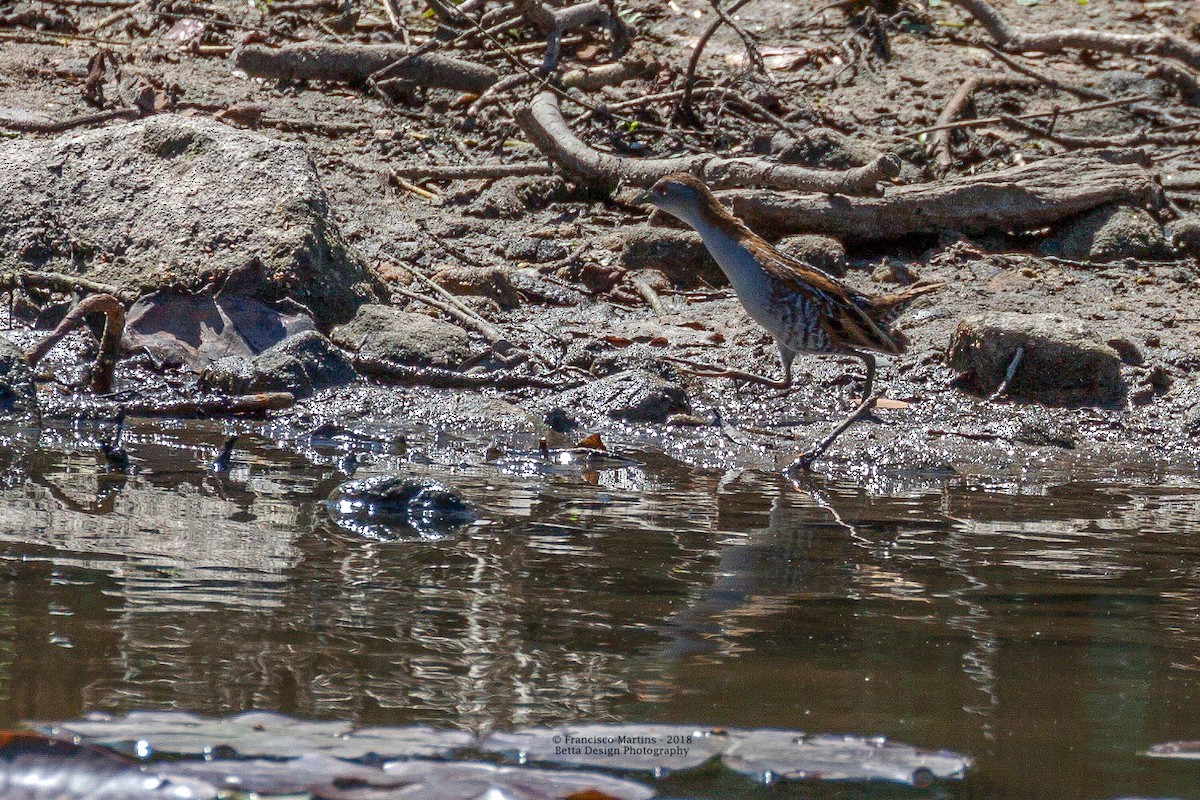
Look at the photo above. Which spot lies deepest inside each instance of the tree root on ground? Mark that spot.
(354, 63)
(1020, 198)
(110, 342)
(1165, 45)
(545, 125)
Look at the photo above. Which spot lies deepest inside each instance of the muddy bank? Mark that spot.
(336, 255)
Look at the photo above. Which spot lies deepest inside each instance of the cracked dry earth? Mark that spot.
(576, 303)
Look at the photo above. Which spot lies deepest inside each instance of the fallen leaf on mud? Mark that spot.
(36, 767)
(593, 442)
(194, 330)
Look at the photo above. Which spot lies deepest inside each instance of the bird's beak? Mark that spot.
(643, 198)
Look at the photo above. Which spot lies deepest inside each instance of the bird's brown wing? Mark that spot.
(846, 317)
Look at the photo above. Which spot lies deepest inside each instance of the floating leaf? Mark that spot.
(36, 767)
(258, 733)
(1188, 750)
(768, 754)
(417, 779)
(648, 748)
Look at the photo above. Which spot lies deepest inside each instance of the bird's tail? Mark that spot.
(886, 308)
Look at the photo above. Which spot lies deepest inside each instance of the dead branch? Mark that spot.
(379, 367)
(545, 125)
(1135, 139)
(354, 63)
(110, 341)
(1057, 112)
(426, 172)
(32, 126)
(939, 143)
(1021, 198)
(58, 282)
(689, 77)
(1165, 45)
(553, 23)
(209, 406)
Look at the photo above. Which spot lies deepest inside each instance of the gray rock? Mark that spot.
(403, 337)
(680, 255)
(1064, 362)
(535, 250)
(634, 395)
(177, 201)
(823, 252)
(300, 364)
(1110, 233)
(18, 396)
(490, 282)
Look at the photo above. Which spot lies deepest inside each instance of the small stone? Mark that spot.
(1184, 235)
(823, 252)
(490, 282)
(403, 337)
(510, 198)
(536, 250)
(1063, 364)
(300, 364)
(1128, 351)
(680, 255)
(1110, 233)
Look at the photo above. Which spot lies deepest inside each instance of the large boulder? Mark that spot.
(1064, 362)
(180, 202)
(404, 337)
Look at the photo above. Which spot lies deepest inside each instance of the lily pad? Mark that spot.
(332, 779)
(1186, 750)
(36, 767)
(644, 748)
(787, 755)
(258, 733)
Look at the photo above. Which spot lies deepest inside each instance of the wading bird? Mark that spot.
(803, 308)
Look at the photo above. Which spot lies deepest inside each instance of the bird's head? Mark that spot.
(683, 196)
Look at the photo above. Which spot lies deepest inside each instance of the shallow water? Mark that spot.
(1049, 631)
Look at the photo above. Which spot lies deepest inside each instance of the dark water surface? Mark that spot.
(1050, 630)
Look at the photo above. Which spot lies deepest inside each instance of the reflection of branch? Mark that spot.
(544, 123)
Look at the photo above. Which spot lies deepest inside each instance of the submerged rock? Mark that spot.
(634, 395)
(18, 397)
(1064, 363)
(180, 202)
(1110, 233)
(403, 337)
(300, 364)
(388, 506)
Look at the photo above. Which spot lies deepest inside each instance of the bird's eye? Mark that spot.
(660, 191)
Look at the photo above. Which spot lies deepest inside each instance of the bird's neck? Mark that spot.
(732, 246)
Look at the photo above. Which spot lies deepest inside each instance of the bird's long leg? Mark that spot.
(712, 371)
(806, 459)
(869, 360)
